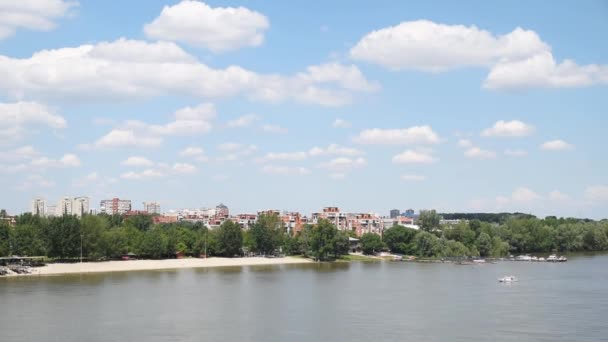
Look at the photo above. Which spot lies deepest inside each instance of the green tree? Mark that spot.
(397, 238)
(27, 239)
(267, 234)
(63, 237)
(426, 244)
(115, 242)
(371, 243)
(500, 248)
(322, 240)
(484, 244)
(428, 220)
(142, 222)
(93, 228)
(229, 239)
(4, 238)
(154, 244)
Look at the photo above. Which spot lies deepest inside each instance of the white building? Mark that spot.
(80, 206)
(64, 207)
(38, 206)
(152, 207)
(115, 206)
(51, 210)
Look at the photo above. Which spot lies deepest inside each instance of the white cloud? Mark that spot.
(285, 170)
(514, 128)
(541, 71)
(37, 15)
(186, 122)
(339, 123)
(130, 69)
(413, 178)
(285, 156)
(337, 175)
(478, 153)
(16, 119)
(243, 121)
(344, 163)
(35, 182)
(597, 193)
(523, 194)
(146, 174)
(93, 178)
(519, 59)
(20, 153)
(235, 151)
(218, 29)
(515, 153)
(428, 46)
(556, 195)
(465, 143)
(405, 136)
(67, 160)
(556, 145)
(276, 129)
(137, 161)
(334, 149)
(184, 168)
(191, 151)
(414, 157)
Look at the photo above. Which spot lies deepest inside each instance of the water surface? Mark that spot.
(383, 301)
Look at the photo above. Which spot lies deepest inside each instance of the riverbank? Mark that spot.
(148, 265)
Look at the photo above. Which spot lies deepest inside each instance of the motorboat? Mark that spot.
(552, 258)
(523, 258)
(507, 279)
(479, 261)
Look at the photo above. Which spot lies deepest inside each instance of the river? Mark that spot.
(379, 301)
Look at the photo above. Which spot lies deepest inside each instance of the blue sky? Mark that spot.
(299, 105)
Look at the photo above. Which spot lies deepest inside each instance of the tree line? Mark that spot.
(112, 236)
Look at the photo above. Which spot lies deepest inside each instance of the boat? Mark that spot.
(541, 259)
(523, 258)
(479, 261)
(534, 258)
(507, 279)
(562, 259)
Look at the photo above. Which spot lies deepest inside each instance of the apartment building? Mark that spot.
(152, 207)
(38, 207)
(115, 206)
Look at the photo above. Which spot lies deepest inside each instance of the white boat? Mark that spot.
(523, 258)
(534, 258)
(479, 261)
(541, 259)
(552, 258)
(507, 279)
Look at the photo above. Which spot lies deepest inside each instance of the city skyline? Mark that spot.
(390, 106)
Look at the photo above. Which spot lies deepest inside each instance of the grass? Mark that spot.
(355, 257)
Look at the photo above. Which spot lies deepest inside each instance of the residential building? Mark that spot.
(80, 206)
(64, 207)
(115, 206)
(409, 213)
(51, 210)
(394, 213)
(332, 214)
(222, 210)
(38, 207)
(152, 207)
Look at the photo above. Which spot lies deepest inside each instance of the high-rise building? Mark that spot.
(38, 207)
(152, 207)
(51, 210)
(80, 206)
(394, 213)
(221, 210)
(409, 213)
(65, 206)
(115, 206)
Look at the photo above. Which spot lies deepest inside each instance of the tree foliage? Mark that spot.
(371, 243)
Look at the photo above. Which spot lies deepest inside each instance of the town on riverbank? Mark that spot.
(89, 242)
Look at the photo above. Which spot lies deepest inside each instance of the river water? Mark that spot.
(381, 301)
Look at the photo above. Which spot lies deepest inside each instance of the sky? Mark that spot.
(462, 107)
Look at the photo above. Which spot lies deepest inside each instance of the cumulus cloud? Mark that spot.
(330, 150)
(414, 157)
(35, 181)
(284, 170)
(514, 128)
(137, 161)
(597, 193)
(478, 153)
(340, 123)
(243, 121)
(465, 143)
(192, 151)
(556, 195)
(405, 136)
(67, 160)
(32, 15)
(21, 153)
(16, 119)
(275, 129)
(429, 46)
(285, 156)
(519, 59)
(235, 151)
(556, 145)
(516, 153)
(413, 178)
(344, 163)
(542, 71)
(218, 29)
(93, 178)
(159, 171)
(130, 69)
(186, 122)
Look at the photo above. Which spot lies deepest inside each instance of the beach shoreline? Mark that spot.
(154, 265)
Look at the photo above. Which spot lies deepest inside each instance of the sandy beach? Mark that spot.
(143, 265)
